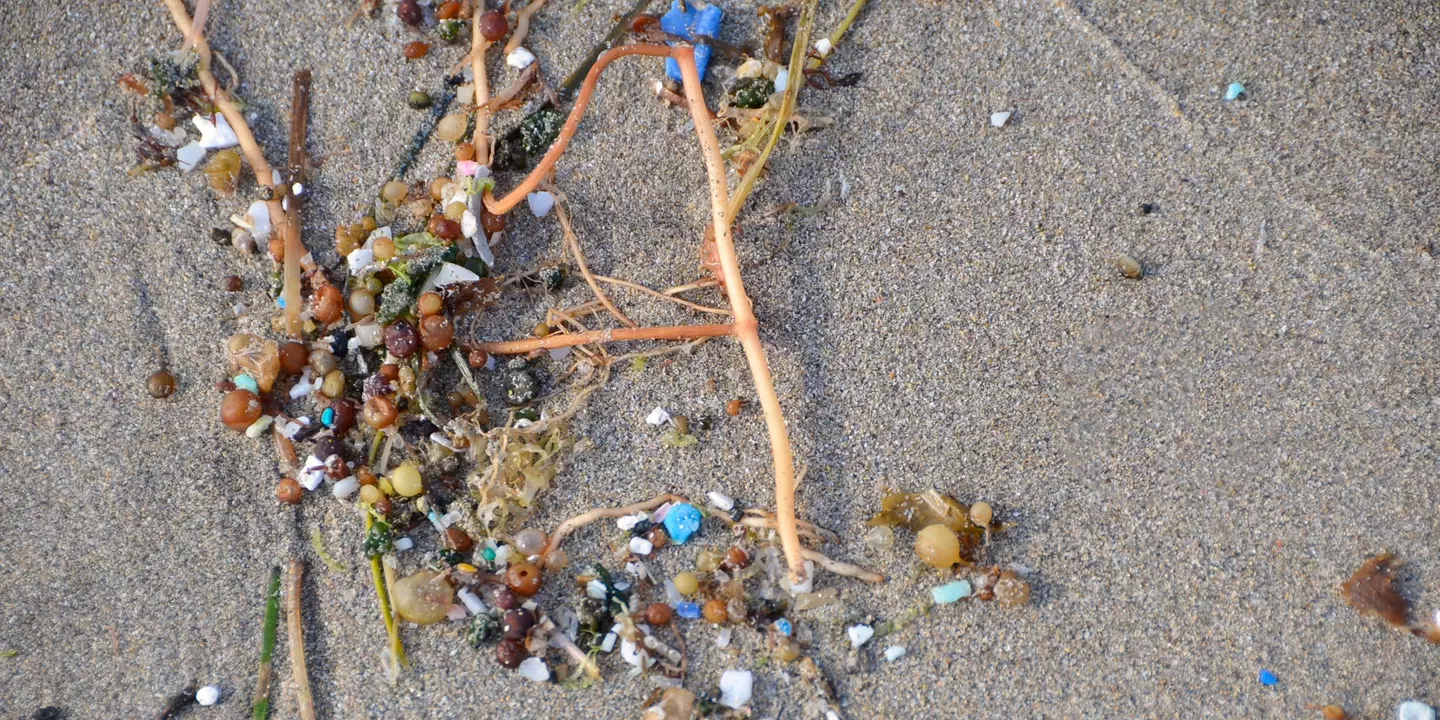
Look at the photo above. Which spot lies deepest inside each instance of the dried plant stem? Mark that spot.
(295, 629)
(840, 31)
(664, 295)
(746, 327)
(585, 518)
(782, 118)
(478, 45)
(841, 568)
(260, 704)
(547, 163)
(522, 25)
(294, 246)
(253, 155)
(667, 332)
(574, 244)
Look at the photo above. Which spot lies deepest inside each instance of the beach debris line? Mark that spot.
(378, 388)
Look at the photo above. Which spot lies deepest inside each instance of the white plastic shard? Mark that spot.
(1000, 118)
(448, 274)
(658, 417)
(216, 135)
(189, 156)
(259, 217)
(540, 203)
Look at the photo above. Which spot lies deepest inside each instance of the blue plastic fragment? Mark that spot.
(245, 382)
(951, 592)
(1234, 92)
(1268, 678)
(327, 418)
(687, 22)
(681, 522)
(688, 610)
(784, 627)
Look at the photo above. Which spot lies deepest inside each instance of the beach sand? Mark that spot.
(1192, 462)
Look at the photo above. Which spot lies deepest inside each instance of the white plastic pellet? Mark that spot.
(208, 695)
(520, 59)
(894, 652)
(345, 488)
(641, 546)
(404, 543)
(473, 603)
(658, 417)
(721, 500)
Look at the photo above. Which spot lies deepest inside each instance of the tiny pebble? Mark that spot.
(688, 610)
(404, 543)
(641, 546)
(894, 652)
(1414, 710)
(520, 59)
(1000, 118)
(1268, 678)
(208, 695)
(540, 203)
(722, 501)
(859, 634)
(533, 668)
(951, 592)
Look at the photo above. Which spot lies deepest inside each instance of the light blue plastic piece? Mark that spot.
(951, 592)
(687, 22)
(681, 522)
(1231, 93)
(784, 627)
(688, 610)
(245, 382)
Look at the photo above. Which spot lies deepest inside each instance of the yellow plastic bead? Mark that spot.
(687, 583)
(370, 494)
(467, 567)
(406, 480)
(385, 486)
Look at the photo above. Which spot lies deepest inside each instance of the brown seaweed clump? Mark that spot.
(1371, 590)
